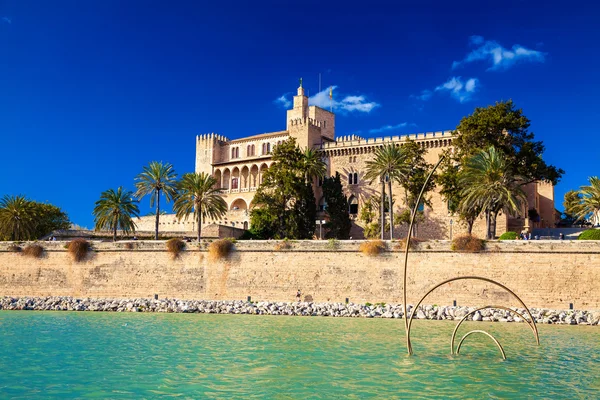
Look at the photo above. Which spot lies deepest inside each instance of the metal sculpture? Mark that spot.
(409, 318)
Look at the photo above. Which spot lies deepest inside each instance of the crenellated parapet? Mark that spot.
(354, 144)
(212, 136)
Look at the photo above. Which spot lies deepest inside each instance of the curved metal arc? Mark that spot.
(537, 338)
(407, 247)
(412, 314)
(485, 333)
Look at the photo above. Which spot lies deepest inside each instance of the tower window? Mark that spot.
(356, 178)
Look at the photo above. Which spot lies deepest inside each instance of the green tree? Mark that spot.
(589, 208)
(17, 218)
(313, 165)
(571, 204)
(115, 210)
(339, 223)
(155, 178)
(488, 183)
(285, 195)
(198, 193)
(49, 218)
(506, 128)
(390, 164)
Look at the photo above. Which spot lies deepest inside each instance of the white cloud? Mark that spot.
(500, 57)
(283, 101)
(459, 90)
(424, 96)
(7, 20)
(391, 127)
(347, 104)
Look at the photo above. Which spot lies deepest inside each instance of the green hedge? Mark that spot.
(590, 234)
(508, 236)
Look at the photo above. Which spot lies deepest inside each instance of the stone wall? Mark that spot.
(548, 274)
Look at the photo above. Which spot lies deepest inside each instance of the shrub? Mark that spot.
(372, 247)
(468, 244)
(33, 250)
(590, 234)
(508, 236)
(175, 246)
(333, 244)
(14, 248)
(220, 249)
(283, 245)
(414, 243)
(78, 249)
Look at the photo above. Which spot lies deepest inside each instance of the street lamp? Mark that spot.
(320, 223)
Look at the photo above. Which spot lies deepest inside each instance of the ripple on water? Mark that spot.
(100, 355)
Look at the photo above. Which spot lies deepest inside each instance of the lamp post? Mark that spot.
(320, 223)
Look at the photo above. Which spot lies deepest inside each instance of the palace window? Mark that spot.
(250, 150)
(234, 183)
(235, 152)
(353, 205)
(353, 178)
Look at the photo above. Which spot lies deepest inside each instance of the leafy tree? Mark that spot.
(155, 178)
(390, 163)
(115, 210)
(17, 218)
(488, 184)
(413, 182)
(505, 128)
(589, 208)
(199, 194)
(49, 218)
(285, 195)
(339, 223)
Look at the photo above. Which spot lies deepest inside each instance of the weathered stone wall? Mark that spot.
(545, 274)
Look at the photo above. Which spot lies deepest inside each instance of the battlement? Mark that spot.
(211, 136)
(355, 140)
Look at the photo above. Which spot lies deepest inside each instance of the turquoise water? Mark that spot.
(108, 355)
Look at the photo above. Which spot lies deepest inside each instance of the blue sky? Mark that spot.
(92, 91)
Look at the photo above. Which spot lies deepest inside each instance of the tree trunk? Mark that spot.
(382, 208)
(199, 222)
(493, 216)
(470, 223)
(157, 214)
(391, 210)
(115, 229)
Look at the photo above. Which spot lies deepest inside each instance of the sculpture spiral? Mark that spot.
(409, 318)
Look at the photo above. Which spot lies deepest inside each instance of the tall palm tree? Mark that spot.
(17, 218)
(157, 177)
(487, 183)
(198, 194)
(313, 164)
(115, 210)
(589, 206)
(390, 164)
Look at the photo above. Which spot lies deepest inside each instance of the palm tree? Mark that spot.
(589, 206)
(389, 164)
(487, 183)
(198, 194)
(115, 210)
(313, 164)
(157, 177)
(17, 218)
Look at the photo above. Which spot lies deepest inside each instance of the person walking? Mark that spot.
(298, 295)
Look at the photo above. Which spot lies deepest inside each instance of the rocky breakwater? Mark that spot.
(545, 316)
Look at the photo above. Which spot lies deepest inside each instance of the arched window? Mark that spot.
(264, 148)
(356, 178)
(233, 152)
(252, 149)
(248, 151)
(234, 183)
(268, 148)
(350, 178)
(353, 205)
(246, 225)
